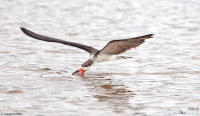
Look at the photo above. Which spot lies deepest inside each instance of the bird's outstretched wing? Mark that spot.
(34, 35)
(119, 46)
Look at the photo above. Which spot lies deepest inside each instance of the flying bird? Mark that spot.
(109, 52)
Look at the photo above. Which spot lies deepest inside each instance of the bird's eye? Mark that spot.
(86, 65)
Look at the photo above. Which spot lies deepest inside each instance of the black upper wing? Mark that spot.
(119, 46)
(89, 49)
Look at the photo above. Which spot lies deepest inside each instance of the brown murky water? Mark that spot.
(162, 79)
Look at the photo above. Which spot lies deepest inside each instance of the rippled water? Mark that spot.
(162, 78)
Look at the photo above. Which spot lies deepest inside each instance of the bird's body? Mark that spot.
(109, 52)
(105, 57)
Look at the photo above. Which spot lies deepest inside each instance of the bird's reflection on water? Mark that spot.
(111, 92)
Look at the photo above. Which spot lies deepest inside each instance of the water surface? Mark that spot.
(162, 78)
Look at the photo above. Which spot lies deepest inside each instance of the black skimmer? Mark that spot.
(109, 52)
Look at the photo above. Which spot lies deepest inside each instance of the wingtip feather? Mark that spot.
(24, 30)
(148, 36)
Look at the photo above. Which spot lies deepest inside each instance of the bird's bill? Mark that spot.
(75, 73)
(80, 72)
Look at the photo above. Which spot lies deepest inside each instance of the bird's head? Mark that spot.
(84, 67)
